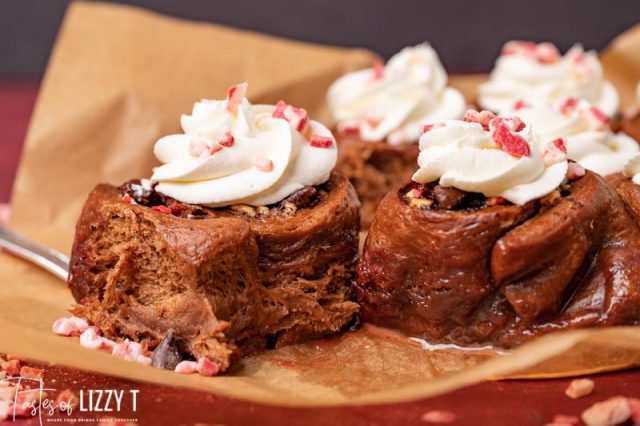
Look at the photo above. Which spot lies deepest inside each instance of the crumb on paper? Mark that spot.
(610, 412)
(438, 416)
(579, 388)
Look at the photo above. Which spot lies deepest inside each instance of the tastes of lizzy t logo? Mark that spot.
(27, 397)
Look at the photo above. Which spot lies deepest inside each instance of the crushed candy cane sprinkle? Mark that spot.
(90, 337)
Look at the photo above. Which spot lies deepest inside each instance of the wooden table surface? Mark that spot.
(520, 403)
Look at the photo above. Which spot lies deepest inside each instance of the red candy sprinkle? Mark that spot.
(226, 139)
(562, 419)
(31, 372)
(235, 95)
(263, 163)
(438, 416)
(482, 117)
(161, 209)
(545, 53)
(205, 367)
(349, 129)
(414, 193)
(568, 106)
(599, 114)
(507, 141)
(127, 199)
(11, 367)
(428, 127)
(378, 70)
(297, 117)
(175, 209)
(321, 141)
(519, 104)
(214, 149)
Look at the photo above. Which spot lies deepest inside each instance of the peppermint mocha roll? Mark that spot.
(498, 238)
(379, 114)
(244, 238)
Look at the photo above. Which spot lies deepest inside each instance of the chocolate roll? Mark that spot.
(380, 112)
(450, 268)
(498, 239)
(244, 240)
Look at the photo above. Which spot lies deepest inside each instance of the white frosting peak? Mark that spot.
(391, 102)
(632, 169)
(586, 133)
(235, 152)
(539, 75)
(496, 156)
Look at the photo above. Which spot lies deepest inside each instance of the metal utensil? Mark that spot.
(39, 254)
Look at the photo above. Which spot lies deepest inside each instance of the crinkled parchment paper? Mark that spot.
(118, 79)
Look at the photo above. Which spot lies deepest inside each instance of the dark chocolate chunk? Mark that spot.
(168, 354)
(305, 197)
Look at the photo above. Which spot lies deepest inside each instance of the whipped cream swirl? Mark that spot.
(392, 102)
(539, 75)
(496, 156)
(586, 134)
(632, 169)
(234, 152)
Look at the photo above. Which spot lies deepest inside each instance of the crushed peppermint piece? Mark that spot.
(321, 141)
(519, 104)
(568, 106)
(235, 95)
(91, 339)
(564, 420)
(595, 118)
(197, 147)
(206, 367)
(575, 171)
(11, 367)
(544, 53)
(554, 152)
(144, 360)
(263, 163)
(226, 139)
(297, 117)
(414, 193)
(161, 209)
(547, 53)
(186, 367)
(611, 412)
(128, 199)
(72, 326)
(378, 70)
(31, 372)
(127, 350)
(349, 128)
(579, 388)
(506, 140)
(482, 117)
(495, 201)
(438, 416)
(67, 400)
(428, 127)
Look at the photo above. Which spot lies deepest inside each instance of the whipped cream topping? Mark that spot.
(496, 156)
(392, 102)
(586, 134)
(234, 152)
(539, 75)
(632, 169)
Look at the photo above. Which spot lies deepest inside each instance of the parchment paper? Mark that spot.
(118, 79)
